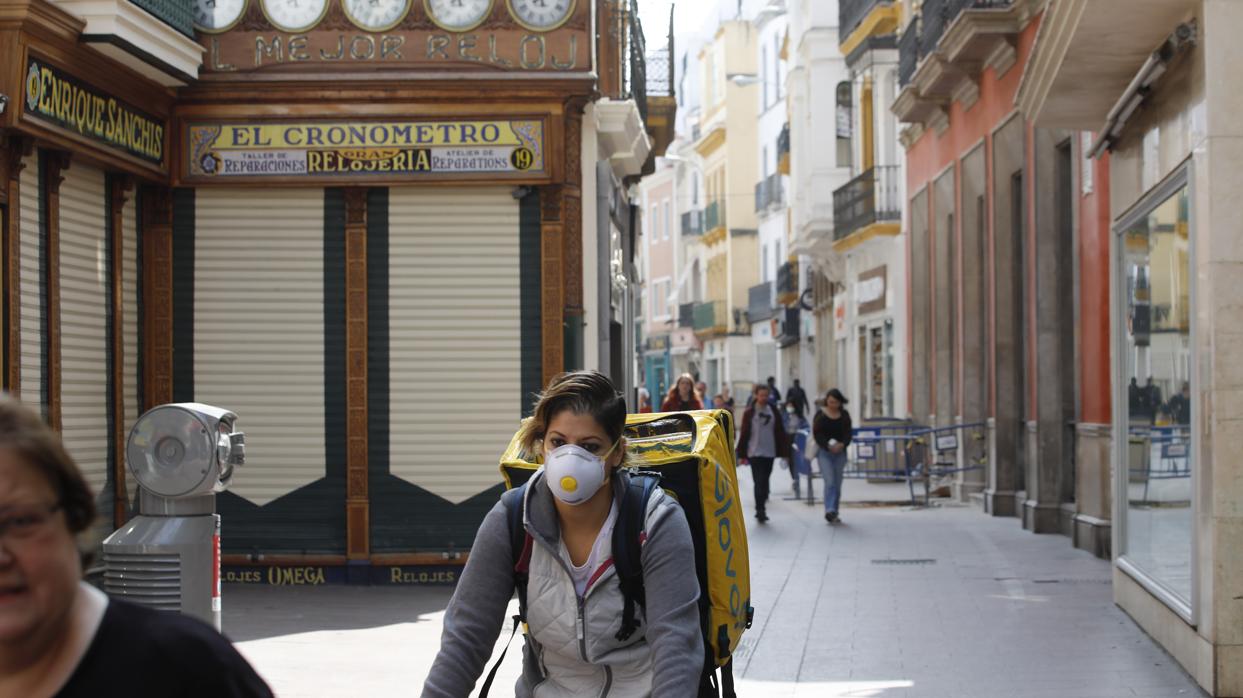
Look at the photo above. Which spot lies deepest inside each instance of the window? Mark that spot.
(764, 276)
(1154, 383)
(668, 219)
(845, 122)
(653, 222)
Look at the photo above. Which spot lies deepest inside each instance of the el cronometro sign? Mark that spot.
(361, 149)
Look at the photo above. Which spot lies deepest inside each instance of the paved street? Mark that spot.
(893, 602)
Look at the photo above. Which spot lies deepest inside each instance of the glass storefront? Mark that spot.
(1155, 399)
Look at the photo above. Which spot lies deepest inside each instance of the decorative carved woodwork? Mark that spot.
(17, 148)
(120, 188)
(157, 295)
(55, 163)
(358, 513)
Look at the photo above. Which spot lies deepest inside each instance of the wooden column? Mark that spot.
(573, 210)
(552, 274)
(53, 175)
(157, 296)
(561, 246)
(16, 148)
(358, 511)
(120, 187)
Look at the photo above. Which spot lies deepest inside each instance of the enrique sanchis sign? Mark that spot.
(58, 98)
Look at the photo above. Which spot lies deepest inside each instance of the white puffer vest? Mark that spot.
(572, 648)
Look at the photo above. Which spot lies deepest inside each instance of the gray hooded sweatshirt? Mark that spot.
(571, 649)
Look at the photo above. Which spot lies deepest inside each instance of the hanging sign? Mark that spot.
(58, 98)
(351, 150)
(870, 291)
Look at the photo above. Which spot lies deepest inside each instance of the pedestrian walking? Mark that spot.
(773, 392)
(645, 401)
(701, 392)
(798, 398)
(61, 636)
(729, 399)
(682, 396)
(794, 424)
(762, 440)
(574, 596)
(832, 431)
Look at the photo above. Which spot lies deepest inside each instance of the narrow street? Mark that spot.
(940, 602)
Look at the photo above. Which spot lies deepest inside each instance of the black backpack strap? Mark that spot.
(727, 679)
(628, 534)
(520, 543)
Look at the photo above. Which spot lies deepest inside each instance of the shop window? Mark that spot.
(1156, 449)
(845, 122)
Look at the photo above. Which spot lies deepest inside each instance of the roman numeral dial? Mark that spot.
(458, 15)
(541, 15)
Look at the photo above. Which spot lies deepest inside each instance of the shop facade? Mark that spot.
(1165, 119)
(374, 241)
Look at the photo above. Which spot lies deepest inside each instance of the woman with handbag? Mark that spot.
(832, 432)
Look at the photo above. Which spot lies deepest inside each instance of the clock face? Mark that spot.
(458, 15)
(294, 15)
(376, 15)
(214, 16)
(541, 15)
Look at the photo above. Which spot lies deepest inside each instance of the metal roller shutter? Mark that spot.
(129, 324)
(31, 285)
(455, 337)
(259, 329)
(84, 322)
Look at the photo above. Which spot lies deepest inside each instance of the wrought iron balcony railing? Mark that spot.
(787, 283)
(787, 333)
(714, 216)
(850, 13)
(776, 190)
(783, 141)
(693, 222)
(869, 198)
(178, 14)
(908, 52)
(760, 302)
(686, 315)
(710, 318)
(935, 17)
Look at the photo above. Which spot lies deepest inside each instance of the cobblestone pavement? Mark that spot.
(895, 601)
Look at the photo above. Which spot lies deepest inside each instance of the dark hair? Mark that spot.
(23, 432)
(836, 395)
(581, 392)
(761, 386)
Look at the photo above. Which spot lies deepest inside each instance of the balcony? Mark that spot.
(776, 190)
(783, 150)
(693, 223)
(867, 205)
(787, 283)
(786, 332)
(153, 37)
(860, 19)
(711, 319)
(686, 315)
(714, 223)
(622, 116)
(760, 302)
(943, 52)
(769, 193)
(908, 52)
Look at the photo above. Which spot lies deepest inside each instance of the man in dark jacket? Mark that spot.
(795, 396)
(763, 439)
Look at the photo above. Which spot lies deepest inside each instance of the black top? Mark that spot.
(139, 653)
(825, 428)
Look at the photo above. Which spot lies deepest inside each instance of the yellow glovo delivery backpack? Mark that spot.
(691, 456)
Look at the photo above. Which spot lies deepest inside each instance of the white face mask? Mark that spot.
(574, 474)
